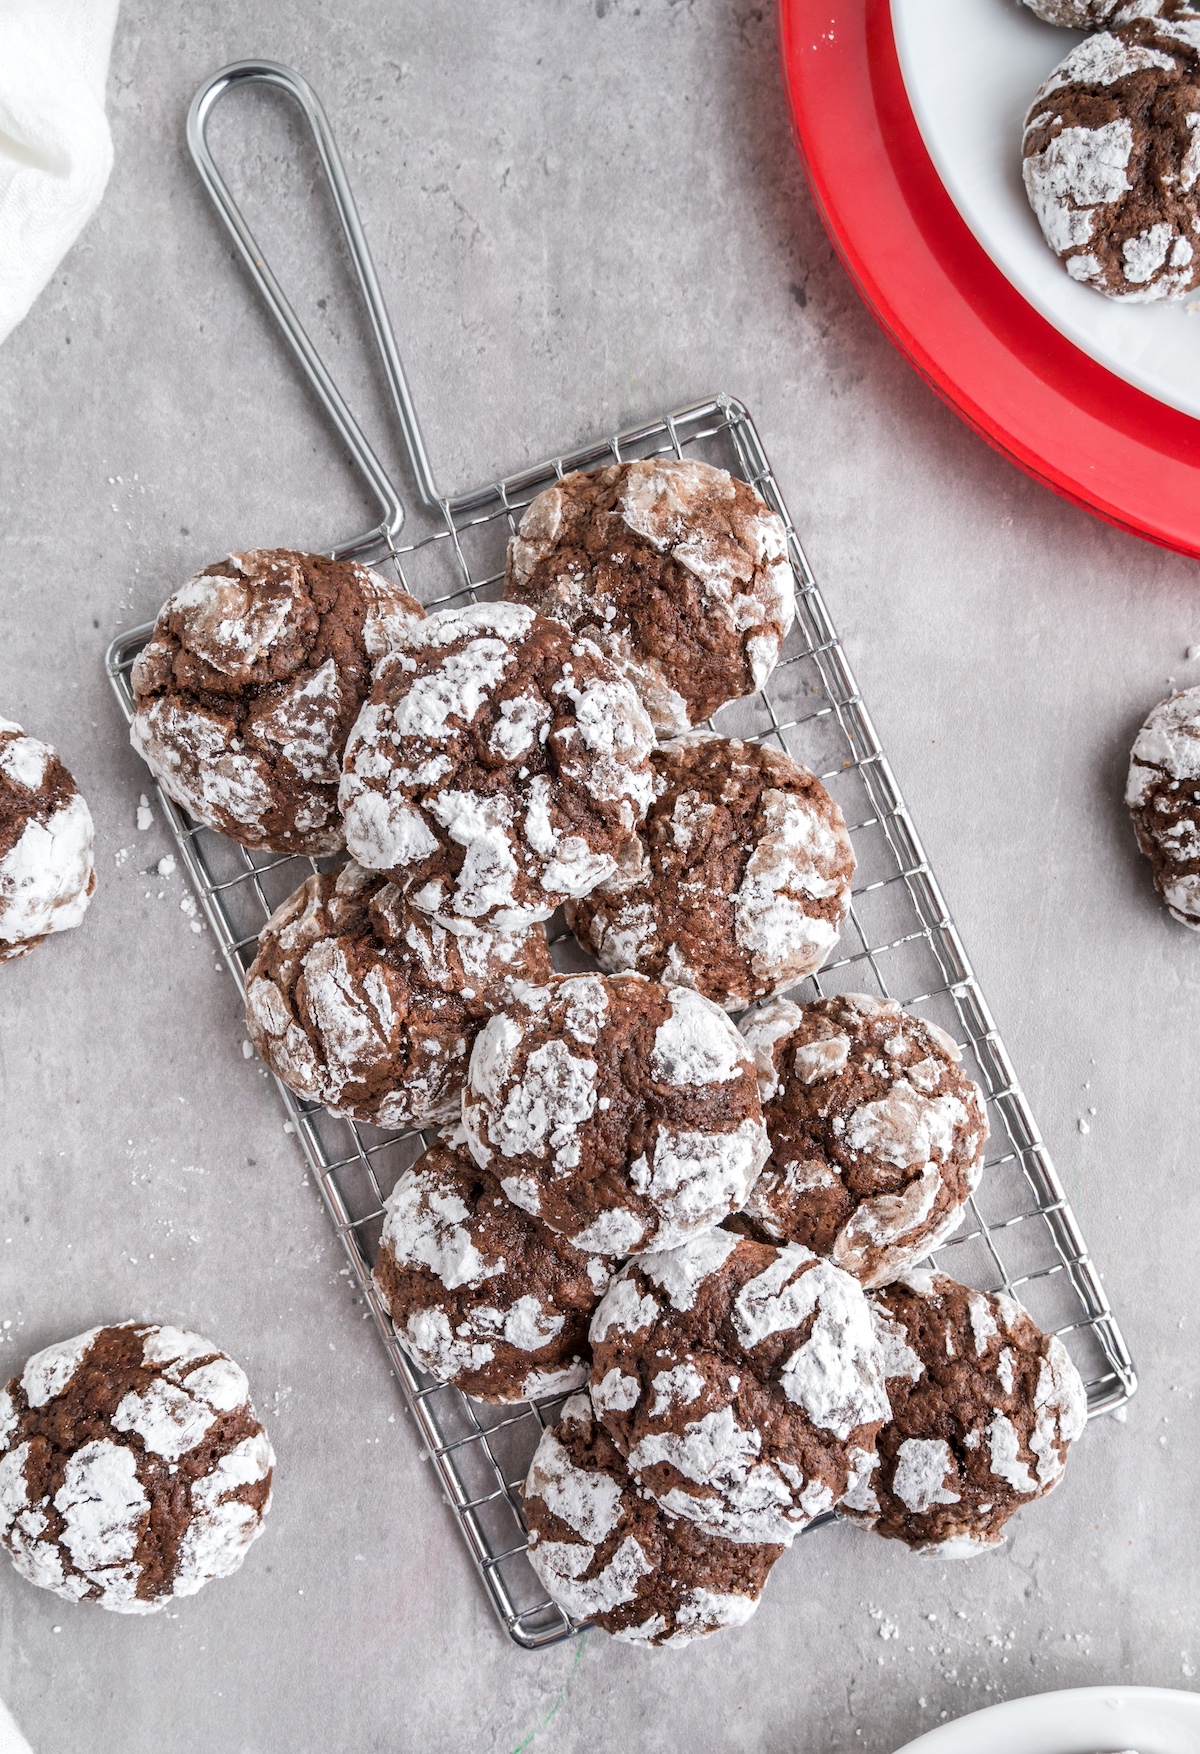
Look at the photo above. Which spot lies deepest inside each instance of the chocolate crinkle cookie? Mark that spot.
(984, 1408)
(1093, 15)
(743, 1384)
(622, 1113)
(480, 1294)
(132, 1467)
(736, 883)
(498, 767)
(1112, 157)
(677, 570)
(46, 870)
(1163, 795)
(249, 685)
(357, 1000)
(609, 1554)
(876, 1133)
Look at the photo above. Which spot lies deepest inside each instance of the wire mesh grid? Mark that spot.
(1019, 1233)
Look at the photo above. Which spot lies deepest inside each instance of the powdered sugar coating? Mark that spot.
(608, 1554)
(498, 767)
(481, 1294)
(984, 1408)
(1092, 15)
(759, 1383)
(168, 1496)
(617, 1111)
(358, 1000)
(250, 683)
(676, 570)
(877, 1135)
(1163, 795)
(47, 874)
(1112, 154)
(737, 882)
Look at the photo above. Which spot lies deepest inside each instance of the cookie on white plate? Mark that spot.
(1111, 159)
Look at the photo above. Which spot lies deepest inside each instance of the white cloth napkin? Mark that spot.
(55, 147)
(11, 1739)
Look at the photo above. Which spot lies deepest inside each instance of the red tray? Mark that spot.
(1021, 385)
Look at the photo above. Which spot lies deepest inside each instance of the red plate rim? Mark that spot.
(1031, 393)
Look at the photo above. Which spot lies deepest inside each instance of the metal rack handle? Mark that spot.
(286, 79)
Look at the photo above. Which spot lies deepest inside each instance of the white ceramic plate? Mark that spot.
(1087, 1720)
(971, 68)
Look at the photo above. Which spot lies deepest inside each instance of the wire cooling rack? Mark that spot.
(1019, 1233)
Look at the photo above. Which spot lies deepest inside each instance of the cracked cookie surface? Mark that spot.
(676, 569)
(249, 685)
(132, 1467)
(735, 884)
(498, 767)
(984, 1408)
(876, 1133)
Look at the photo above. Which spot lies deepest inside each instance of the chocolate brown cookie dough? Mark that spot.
(984, 1408)
(876, 1134)
(1163, 795)
(621, 1113)
(499, 767)
(608, 1554)
(742, 1383)
(736, 883)
(1112, 156)
(358, 1000)
(481, 1295)
(132, 1467)
(46, 871)
(249, 685)
(677, 570)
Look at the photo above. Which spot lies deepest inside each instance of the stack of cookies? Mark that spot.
(706, 1236)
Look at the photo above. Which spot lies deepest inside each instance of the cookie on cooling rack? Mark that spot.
(46, 870)
(1093, 15)
(876, 1133)
(737, 881)
(480, 1294)
(358, 1000)
(498, 767)
(1112, 158)
(742, 1383)
(608, 1553)
(1163, 795)
(132, 1467)
(677, 570)
(622, 1113)
(984, 1408)
(249, 685)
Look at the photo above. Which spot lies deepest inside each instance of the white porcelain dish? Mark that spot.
(971, 68)
(1085, 1720)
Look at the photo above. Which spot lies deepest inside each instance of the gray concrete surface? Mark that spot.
(583, 214)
